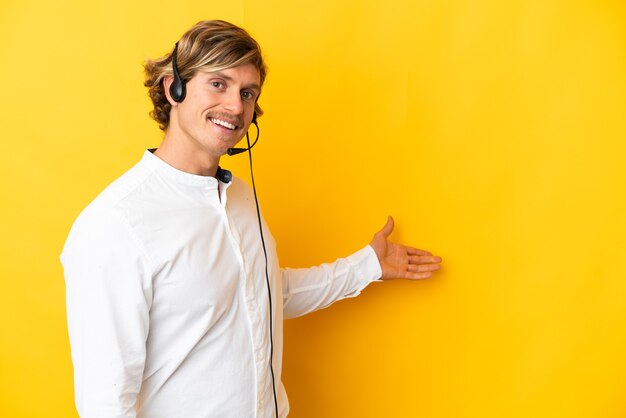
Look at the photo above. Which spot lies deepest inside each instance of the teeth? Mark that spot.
(223, 123)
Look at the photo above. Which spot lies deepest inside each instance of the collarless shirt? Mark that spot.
(167, 301)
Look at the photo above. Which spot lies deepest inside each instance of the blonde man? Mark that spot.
(169, 313)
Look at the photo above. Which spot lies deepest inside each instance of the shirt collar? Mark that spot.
(167, 170)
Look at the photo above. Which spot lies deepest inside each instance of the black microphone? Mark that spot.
(235, 151)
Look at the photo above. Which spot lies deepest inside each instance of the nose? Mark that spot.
(233, 103)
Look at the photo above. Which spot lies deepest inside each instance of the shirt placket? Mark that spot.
(254, 315)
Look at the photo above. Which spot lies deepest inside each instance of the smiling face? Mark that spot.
(214, 115)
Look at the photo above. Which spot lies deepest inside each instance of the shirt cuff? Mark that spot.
(366, 266)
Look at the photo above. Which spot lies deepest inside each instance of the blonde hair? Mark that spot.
(210, 45)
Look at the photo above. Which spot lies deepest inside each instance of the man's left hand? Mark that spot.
(399, 261)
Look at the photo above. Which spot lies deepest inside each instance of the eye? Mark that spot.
(247, 95)
(217, 84)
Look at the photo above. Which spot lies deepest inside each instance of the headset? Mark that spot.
(178, 91)
(178, 88)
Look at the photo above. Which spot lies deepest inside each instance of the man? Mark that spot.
(167, 281)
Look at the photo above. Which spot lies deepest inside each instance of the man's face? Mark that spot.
(217, 110)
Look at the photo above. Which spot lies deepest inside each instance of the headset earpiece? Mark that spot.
(254, 118)
(178, 90)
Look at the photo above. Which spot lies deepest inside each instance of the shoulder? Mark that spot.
(104, 210)
(126, 185)
(96, 229)
(102, 223)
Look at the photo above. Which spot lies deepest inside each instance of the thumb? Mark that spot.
(388, 228)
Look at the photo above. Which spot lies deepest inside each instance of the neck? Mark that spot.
(185, 157)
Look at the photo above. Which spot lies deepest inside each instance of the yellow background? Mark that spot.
(494, 132)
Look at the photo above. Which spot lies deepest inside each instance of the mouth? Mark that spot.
(224, 123)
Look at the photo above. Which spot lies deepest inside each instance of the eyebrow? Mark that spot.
(228, 78)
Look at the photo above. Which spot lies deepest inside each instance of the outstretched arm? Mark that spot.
(398, 261)
(306, 290)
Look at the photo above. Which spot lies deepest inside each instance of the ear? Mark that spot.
(167, 82)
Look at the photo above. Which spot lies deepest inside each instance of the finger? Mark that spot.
(388, 228)
(424, 259)
(416, 251)
(421, 268)
(418, 276)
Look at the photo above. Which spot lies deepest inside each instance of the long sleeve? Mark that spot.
(306, 290)
(108, 291)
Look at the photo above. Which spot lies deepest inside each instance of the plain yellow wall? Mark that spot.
(494, 132)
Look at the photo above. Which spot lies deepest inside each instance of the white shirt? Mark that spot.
(167, 300)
